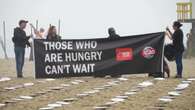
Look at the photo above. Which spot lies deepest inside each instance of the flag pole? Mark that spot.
(59, 23)
(4, 34)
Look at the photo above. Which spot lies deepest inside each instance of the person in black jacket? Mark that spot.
(113, 35)
(20, 41)
(177, 38)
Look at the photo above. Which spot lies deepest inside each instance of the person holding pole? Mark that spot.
(20, 41)
(177, 38)
(52, 34)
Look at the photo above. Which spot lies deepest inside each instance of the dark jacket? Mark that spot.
(178, 40)
(20, 39)
(114, 36)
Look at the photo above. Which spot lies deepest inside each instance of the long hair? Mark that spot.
(50, 31)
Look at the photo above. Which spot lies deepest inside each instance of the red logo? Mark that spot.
(148, 52)
(124, 54)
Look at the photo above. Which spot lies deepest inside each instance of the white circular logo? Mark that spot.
(148, 52)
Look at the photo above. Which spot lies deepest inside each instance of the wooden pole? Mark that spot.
(37, 24)
(59, 23)
(4, 34)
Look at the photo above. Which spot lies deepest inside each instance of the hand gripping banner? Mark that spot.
(87, 57)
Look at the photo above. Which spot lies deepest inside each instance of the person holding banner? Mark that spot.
(177, 38)
(113, 35)
(20, 41)
(52, 34)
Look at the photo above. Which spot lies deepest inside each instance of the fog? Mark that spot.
(82, 19)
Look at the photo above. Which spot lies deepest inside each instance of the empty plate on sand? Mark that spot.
(145, 84)
(109, 103)
(28, 84)
(74, 82)
(99, 88)
(17, 99)
(159, 79)
(188, 82)
(122, 79)
(100, 108)
(122, 96)
(4, 79)
(165, 99)
(9, 88)
(82, 95)
(26, 97)
(69, 99)
(62, 103)
(91, 92)
(181, 86)
(174, 93)
(191, 79)
(130, 93)
(49, 79)
(65, 85)
(2, 105)
(54, 105)
(46, 108)
(117, 100)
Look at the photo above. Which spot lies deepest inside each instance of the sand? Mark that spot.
(147, 99)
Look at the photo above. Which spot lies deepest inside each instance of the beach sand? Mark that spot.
(147, 99)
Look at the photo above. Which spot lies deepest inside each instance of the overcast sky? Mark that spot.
(89, 18)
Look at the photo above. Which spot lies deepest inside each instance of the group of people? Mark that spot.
(20, 40)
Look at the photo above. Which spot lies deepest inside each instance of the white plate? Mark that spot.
(145, 84)
(69, 99)
(191, 79)
(165, 99)
(188, 82)
(174, 93)
(54, 105)
(99, 88)
(82, 95)
(117, 100)
(91, 92)
(62, 103)
(100, 108)
(2, 79)
(2, 105)
(65, 85)
(26, 97)
(122, 79)
(49, 79)
(159, 79)
(130, 93)
(181, 86)
(74, 82)
(28, 84)
(46, 108)
(122, 96)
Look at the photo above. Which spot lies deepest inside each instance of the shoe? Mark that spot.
(178, 76)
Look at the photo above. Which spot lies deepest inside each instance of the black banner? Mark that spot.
(88, 57)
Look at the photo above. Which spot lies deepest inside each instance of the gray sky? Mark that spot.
(89, 18)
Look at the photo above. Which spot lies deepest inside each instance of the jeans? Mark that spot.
(179, 63)
(19, 57)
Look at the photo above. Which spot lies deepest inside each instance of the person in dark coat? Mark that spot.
(20, 41)
(177, 38)
(113, 35)
(52, 34)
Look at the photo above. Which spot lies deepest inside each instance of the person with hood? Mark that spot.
(177, 38)
(20, 41)
(113, 35)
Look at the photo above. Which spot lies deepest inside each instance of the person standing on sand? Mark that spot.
(189, 44)
(177, 38)
(20, 41)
